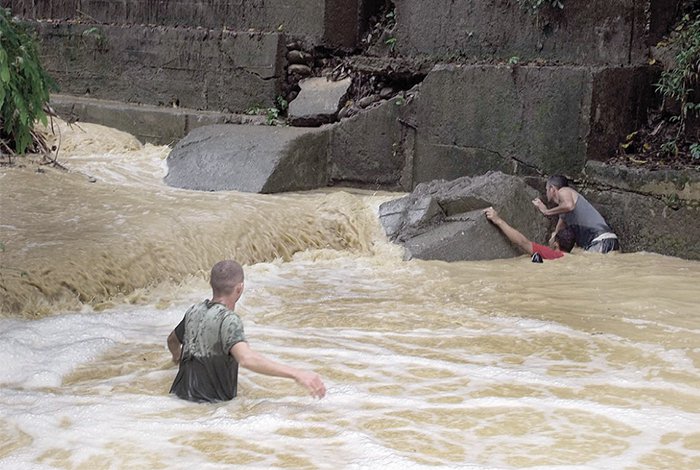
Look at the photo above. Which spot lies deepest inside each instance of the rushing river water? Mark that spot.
(587, 362)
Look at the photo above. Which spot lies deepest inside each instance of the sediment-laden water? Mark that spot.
(587, 362)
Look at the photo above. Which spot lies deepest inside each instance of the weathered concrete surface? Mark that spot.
(592, 32)
(644, 223)
(656, 211)
(153, 124)
(317, 102)
(260, 159)
(193, 68)
(329, 22)
(373, 149)
(444, 219)
(472, 118)
(678, 185)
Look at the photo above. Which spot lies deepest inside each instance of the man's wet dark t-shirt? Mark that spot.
(207, 370)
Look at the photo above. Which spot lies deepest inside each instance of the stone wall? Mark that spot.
(553, 119)
(591, 32)
(335, 23)
(193, 68)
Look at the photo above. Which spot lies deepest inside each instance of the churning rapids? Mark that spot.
(587, 362)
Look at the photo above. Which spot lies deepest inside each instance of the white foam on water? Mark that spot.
(493, 365)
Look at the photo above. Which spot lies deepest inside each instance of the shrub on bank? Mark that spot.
(24, 86)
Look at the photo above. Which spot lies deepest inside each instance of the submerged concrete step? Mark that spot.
(159, 125)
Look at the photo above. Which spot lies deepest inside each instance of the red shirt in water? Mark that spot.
(546, 252)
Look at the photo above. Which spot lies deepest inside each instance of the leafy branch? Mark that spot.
(24, 85)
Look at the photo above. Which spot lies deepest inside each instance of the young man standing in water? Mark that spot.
(592, 231)
(209, 344)
(562, 241)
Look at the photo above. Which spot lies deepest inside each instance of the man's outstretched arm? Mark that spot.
(253, 360)
(513, 235)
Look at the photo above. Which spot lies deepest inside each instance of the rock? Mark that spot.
(444, 220)
(299, 69)
(299, 57)
(386, 92)
(317, 102)
(368, 100)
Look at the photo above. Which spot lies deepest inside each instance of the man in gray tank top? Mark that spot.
(592, 231)
(209, 344)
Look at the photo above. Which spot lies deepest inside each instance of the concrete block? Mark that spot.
(592, 32)
(524, 119)
(334, 23)
(317, 102)
(196, 69)
(261, 159)
(371, 149)
(644, 223)
(152, 124)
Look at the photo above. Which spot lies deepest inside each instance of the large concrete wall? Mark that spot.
(329, 22)
(472, 118)
(613, 32)
(193, 68)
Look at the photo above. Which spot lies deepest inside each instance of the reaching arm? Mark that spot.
(560, 225)
(174, 346)
(513, 235)
(256, 362)
(567, 202)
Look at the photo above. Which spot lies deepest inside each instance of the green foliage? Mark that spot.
(535, 6)
(98, 36)
(679, 82)
(24, 85)
(695, 151)
(670, 147)
(514, 60)
(391, 42)
(271, 114)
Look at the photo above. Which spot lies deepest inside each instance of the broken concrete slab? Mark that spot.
(318, 101)
(258, 159)
(444, 219)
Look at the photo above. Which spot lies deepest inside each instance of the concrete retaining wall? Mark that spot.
(192, 68)
(476, 117)
(329, 22)
(590, 32)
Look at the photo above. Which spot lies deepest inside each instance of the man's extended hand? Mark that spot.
(539, 204)
(312, 382)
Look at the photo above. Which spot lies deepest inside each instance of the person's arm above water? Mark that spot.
(513, 235)
(253, 360)
(567, 202)
(560, 225)
(175, 346)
